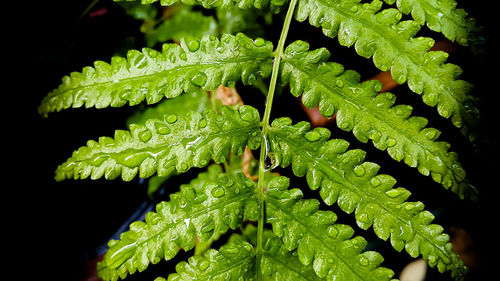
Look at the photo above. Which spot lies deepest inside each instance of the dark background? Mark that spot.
(62, 224)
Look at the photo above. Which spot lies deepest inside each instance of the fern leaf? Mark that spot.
(242, 4)
(184, 23)
(151, 75)
(393, 47)
(320, 242)
(233, 261)
(361, 109)
(197, 211)
(343, 177)
(440, 16)
(166, 147)
(195, 101)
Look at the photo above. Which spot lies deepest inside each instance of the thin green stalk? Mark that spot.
(265, 128)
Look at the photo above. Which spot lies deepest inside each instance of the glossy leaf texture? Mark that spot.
(183, 23)
(370, 115)
(151, 75)
(343, 178)
(242, 4)
(233, 261)
(210, 206)
(440, 16)
(393, 46)
(330, 248)
(236, 261)
(195, 101)
(166, 147)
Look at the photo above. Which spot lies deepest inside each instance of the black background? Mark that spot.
(54, 228)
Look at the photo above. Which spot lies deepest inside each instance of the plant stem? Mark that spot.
(265, 128)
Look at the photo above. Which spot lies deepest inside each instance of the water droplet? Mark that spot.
(377, 87)
(218, 191)
(364, 261)
(312, 136)
(375, 182)
(391, 142)
(339, 83)
(200, 79)
(259, 42)
(359, 171)
(193, 44)
(203, 264)
(343, 125)
(354, 9)
(183, 167)
(171, 118)
(333, 231)
(183, 56)
(203, 162)
(145, 135)
(330, 260)
(384, 67)
(237, 190)
(248, 247)
(393, 193)
(162, 129)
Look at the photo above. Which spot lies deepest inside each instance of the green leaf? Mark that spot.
(242, 4)
(195, 101)
(392, 46)
(327, 246)
(183, 23)
(440, 16)
(369, 115)
(233, 261)
(344, 178)
(278, 263)
(151, 75)
(208, 207)
(168, 146)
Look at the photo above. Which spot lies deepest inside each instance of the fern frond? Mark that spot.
(173, 145)
(355, 186)
(151, 75)
(209, 207)
(318, 240)
(361, 109)
(391, 44)
(242, 4)
(440, 16)
(233, 261)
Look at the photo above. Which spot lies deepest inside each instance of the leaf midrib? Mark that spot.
(390, 125)
(163, 72)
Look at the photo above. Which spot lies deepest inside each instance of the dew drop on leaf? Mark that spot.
(375, 182)
(171, 118)
(218, 191)
(312, 136)
(359, 171)
(364, 261)
(145, 136)
(200, 79)
(193, 44)
(259, 42)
